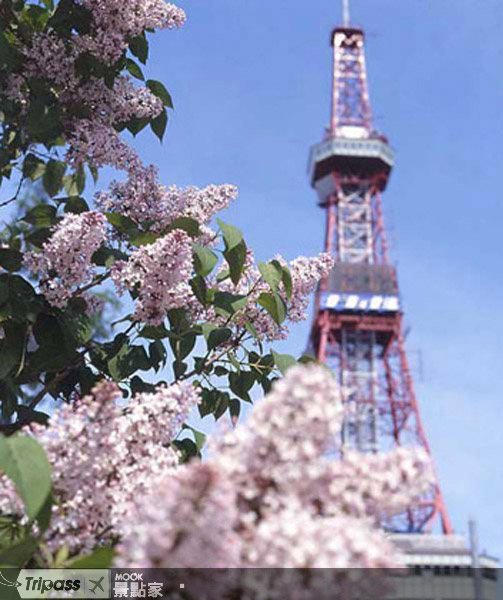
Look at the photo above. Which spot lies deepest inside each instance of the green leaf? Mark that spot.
(241, 383)
(207, 328)
(159, 124)
(28, 415)
(6, 51)
(9, 399)
(187, 447)
(234, 361)
(190, 226)
(143, 238)
(286, 279)
(216, 336)
(43, 121)
(266, 385)
(213, 402)
(271, 274)
(38, 237)
(134, 69)
(4, 290)
(157, 354)
(199, 437)
(80, 179)
(24, 304)
(13, 349)
(235, 409)
(135, 125)
(53, 176)
(227, 303)
(105, 257)
(198, 285)
(221, 405)
(25, 463)
(250, 328)
(283, 361)
(99, 559)
(138, 386)
(307, 359)
(179, 368)
(236, 260)
(232, 235)
(43, 215)
(33, 167)
(122, 224)
(48, 331)
(158, 89)
(12, 260)
(223, 275)
(75, 204)
(274, 305)
(70, 185)
(43, 517)
(182, 346)
(18, 554)
(157, 332)
(204, 260)
(186, 345)
(139, 47)
(208, 400)
(127, 361)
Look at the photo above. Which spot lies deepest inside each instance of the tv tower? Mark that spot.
(358, 322)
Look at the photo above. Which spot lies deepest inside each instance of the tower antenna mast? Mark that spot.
(345, 13)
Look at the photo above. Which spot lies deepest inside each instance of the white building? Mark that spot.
(444, 567)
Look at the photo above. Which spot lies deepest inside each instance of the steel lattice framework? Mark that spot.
(358, 324)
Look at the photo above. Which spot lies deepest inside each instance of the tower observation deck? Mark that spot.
(358, 323)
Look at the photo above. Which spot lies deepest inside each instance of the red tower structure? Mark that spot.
(358, 323)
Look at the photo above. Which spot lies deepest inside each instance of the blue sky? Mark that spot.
(251, 84)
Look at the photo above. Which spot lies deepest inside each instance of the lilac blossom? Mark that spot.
(104, 455)
(99, 145)
(142, 198)
(159, 273)
(64, 263)
(306, 274)
(282, 500)
(199, 532)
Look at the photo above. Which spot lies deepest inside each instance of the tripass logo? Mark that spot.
(58, 583)
(46, 585)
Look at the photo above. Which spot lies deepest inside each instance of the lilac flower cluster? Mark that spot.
(305, 273)
(142, 198)
(159, 274)
(281, 500)
(100, 145)
(64, 264)
(198, 498)
(113, 24)
(96, 140)
(103, 456)
(51, 58)
(118, 20)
